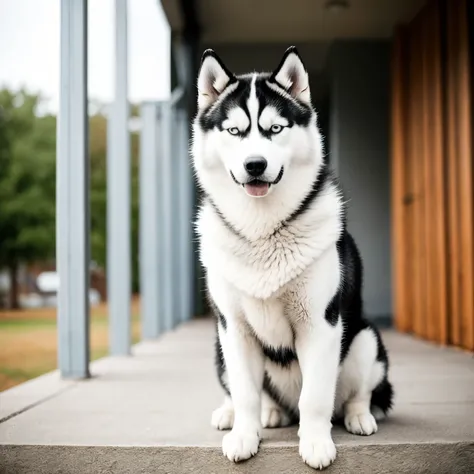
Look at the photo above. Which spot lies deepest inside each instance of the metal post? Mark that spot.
(166, 211)
(149, 223)
(72, 199)
(185, 234)
(118, 198)
(176, 190)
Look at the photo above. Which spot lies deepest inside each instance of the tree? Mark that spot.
(98, 191)
(27, 183)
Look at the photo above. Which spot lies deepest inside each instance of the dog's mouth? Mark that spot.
(258, 187)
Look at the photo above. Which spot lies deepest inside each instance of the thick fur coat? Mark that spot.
(284, 276)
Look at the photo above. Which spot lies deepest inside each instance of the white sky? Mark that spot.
(29, 48)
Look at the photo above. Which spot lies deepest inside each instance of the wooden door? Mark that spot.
(432, 175)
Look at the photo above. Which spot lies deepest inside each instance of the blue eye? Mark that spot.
(276, 129)
(233, 130)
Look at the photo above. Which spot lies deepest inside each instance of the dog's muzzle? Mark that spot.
(258, 187)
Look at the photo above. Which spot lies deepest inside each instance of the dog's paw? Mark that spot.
(274, 418)
(363, 424)
(223, 418)
(317, 452)
(239, 446)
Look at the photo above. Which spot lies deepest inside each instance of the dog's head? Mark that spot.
(256, 131)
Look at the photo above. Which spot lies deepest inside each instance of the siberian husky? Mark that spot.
(284, 276)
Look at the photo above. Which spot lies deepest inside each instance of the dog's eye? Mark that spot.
(276, 129)
(233, 130)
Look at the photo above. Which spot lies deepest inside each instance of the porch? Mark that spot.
(377, 107)
(151, 413)
(147, 408)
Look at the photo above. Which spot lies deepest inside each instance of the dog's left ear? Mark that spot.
(213, 78)
(292, 75)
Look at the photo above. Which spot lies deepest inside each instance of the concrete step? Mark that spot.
(150, 413)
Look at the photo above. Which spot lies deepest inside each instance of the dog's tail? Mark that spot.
(382, 399)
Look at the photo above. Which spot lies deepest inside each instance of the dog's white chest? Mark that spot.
(262, 267)
(269, 321)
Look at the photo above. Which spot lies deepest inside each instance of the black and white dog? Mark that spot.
(283, 273)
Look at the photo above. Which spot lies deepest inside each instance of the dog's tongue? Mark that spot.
(257, 189)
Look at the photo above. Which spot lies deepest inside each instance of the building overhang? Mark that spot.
(284, 21)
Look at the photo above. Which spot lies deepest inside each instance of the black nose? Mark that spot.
(255, 165)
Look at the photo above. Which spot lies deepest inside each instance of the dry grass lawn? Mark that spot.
(28, 341)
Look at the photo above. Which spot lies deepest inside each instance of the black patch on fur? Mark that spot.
(220, 317)
(353, 318)
(321, 180)
(217, 113)
(282, 356)
(332, 311)
(351, 290)
(219, 356)
(294, 111)
(220, 364)
(382, 355)
(222, 320)
(382, 396)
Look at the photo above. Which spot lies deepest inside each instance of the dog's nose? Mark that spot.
(255, 165)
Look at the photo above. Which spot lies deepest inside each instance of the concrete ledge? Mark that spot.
(435, 458)
(150, 413)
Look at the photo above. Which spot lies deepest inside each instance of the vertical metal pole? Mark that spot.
(176, 189)
(149, 223)
(165, 183)
(72, 199)
(118, 198)
(185, 217)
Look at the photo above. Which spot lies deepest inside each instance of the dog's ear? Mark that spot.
(292, 75)
(213, 78)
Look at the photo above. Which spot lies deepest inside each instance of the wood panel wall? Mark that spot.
(432, 174)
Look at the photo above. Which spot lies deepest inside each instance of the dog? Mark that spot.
(283, 274)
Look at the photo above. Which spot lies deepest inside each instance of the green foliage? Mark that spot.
(27, 180)
(98, 187)
(98, 193)
(27, 183)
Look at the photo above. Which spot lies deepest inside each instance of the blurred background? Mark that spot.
(391, 81)
(29, 104)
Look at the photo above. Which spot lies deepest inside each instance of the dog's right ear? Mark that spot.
(292, 75)
(213, 78)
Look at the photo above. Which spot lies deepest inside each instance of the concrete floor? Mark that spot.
(151, 413)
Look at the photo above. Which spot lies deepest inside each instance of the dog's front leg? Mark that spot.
(318, 349)
(318, 346)
(244, 362)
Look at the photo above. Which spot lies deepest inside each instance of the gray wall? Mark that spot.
(359, 79)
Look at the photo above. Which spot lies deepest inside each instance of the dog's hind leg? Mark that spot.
(360, 375)
(223, 417)
(273, 416)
